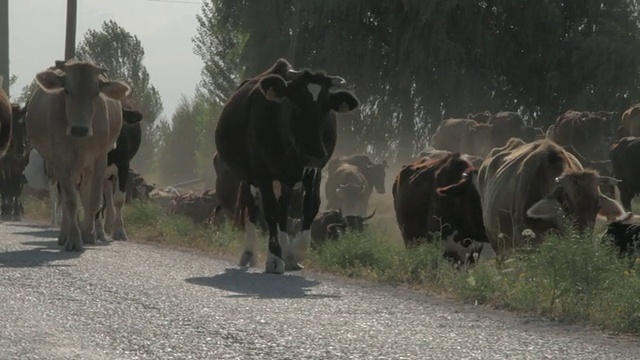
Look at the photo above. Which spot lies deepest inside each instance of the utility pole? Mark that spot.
(4, 45)
(70, 37)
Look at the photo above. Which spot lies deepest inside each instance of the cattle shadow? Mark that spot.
(42, 253)
(245, 283)
(44, 233)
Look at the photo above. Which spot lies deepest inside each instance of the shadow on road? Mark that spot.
(260, 285)
(43, 253)
(45, 233)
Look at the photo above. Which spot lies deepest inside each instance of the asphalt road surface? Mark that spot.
(134, 301)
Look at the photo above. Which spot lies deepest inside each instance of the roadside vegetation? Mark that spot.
(571, 278)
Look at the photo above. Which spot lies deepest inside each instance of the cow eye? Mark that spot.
(66, 91)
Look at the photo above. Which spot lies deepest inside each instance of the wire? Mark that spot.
(179, 2)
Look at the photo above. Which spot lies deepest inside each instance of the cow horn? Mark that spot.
(559, 178)
(337, 81)
(609, 180)
(344, 186)
(370, 216)
(600, 162)
(293, 74)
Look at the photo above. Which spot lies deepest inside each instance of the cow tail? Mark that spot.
(240, 211)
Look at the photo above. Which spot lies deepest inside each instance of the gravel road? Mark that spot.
(135, 301)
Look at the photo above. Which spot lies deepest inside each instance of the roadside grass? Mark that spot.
(570, 278)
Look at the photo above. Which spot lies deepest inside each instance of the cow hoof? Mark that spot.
(89, 239)
(274, 265)
(293, 266)
(73, 246)
(248, 259)
(119, 234)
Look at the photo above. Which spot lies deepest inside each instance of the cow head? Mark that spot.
(477, 140)
(130, 116)
(83, 83)
(482, 117)
(357, 222)
(310, 96)
(461, 202)
(375, 174)
(576, 194)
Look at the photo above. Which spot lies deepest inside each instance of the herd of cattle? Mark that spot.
(488, 184)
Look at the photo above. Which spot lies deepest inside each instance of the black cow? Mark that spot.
(12, 165)
(279, 129)
(118, 161)
(137, 187)
(624, 155)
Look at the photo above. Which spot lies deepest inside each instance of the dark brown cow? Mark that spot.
(439, 197)
(481, 117)
(197, 207)
(432, 153)
(624, 156)
(137, 187)
(12, 166)
(534, 186)
(356, 180)
(277, 130)
(6, 120)
(630, 123)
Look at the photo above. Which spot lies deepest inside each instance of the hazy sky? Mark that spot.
(37, 31)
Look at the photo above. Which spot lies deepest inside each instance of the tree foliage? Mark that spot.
(122, 54)
(414, 63)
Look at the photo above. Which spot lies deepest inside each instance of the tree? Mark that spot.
(122, 54)
(413, 63)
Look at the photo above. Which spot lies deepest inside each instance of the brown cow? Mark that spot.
(6, 121)
(432, 153)
(624, 157)
(197, 207)
(372, 175)
(73, 119)
(439, 196)
(586, 136)
(533, 186)
(630, 123)
(464, 136)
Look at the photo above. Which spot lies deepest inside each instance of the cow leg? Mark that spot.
(272, 212)
(91, 195)
(118, 201)
(283, 195)
(107, 207)
(101, 235)
(55, 197)
(311, 204)
(246, 201)
(625, 197)
(72, 240)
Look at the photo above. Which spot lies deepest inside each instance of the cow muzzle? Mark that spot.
(78, 131)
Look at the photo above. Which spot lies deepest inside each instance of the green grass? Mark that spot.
(571, 278)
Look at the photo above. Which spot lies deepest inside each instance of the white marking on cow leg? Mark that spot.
(314, 89)
(277, 189)
(118, 226)
(487, 252)
(298, 250)
(250, 253)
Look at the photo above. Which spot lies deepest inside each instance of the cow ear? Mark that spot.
(343, 101)
(610, 209)
(49, 81)
(116, 90)
(131, 116)
(546, 208)
(273, 87)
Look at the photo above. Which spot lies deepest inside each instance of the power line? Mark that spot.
(179, 2)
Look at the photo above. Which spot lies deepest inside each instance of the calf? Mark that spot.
(115, 183)
(624, 235)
